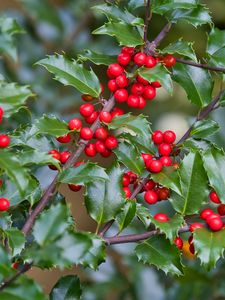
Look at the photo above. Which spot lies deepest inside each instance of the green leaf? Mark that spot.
(163, 6)
(133, 4)
(127, 214)
(128, 155)
(16, 240)
(83, 174)
(193, 181)
(143, 215)
(71, 73)
(5, 264)
(126, 34)
(51, 125)
(214, 164)
(51, 224)
(158, 73)
(10, 26)
(169, 178)
(209, 246)
(171, 227)
(216, 41)
(104, 199)
(159, 252)
(13, 97)
(204, 128)
(196, 82)
(97, 58)
(182, 48)
(67, 288)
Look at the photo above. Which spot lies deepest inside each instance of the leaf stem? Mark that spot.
(148, 16)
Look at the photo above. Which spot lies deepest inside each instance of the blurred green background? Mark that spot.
(66, 25)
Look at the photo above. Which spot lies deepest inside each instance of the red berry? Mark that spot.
(111, 142)
(157, 137)
(137, 89)
(64, 156)
(100, 147)
(78, 163)
(115, 70)
(133, 101)
(166, 161)
(205, 213)
(149, 185)
(190, 239)
(86, 133)
(106, 153)
(105, 117)
(156, 84)
(192, 248)
(146, 157)
(169, 60)
(155, 166)
(128, 50)
(215, 224)
(161, 217)
(64, 139)
(164, 149)
(74, 187)
(75, 124)
(4, 140)
(91, 119)
(140, 59)
(86, 109)
(149, 92)
(178, 242)
(142, 102)
(127, 192)
(15, 266)
(4, 204)
(169, 137)
(101, 133)
(122, 81)
(123, 58)
(125, 180)
(194, 226)
(117, 112)
(151, 197)
(90, 150)
(221, 209)
(212, 216)
(1, 114)
(87, 97)
(214, 197)
(163, 193)
(112, 85)
(121, 95)
(150, 62)
(55, 154)
(133, 177)
(142, 80)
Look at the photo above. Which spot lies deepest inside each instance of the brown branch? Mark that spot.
(202, 66)
(147, 19)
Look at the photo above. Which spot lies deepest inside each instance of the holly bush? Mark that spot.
(186, 175)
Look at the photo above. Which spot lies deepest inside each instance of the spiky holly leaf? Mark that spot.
(182, 48)
(16, 240)
(66, 288)
(126, 215)
(204, 128)
(97, 58)
(51, 125)
(143, 215)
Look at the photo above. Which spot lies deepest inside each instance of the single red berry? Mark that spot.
(192, 248)
(123, 59)
(1, 114)
(150, 62)
(127, 192)
(128, 50)
(78, 163)
(166, 161)
(157, 137)
(132, 176)
(86, 109)
(137, 89)
(133, 101)
(111, 142)
(101, 133)
(115, 70)
(86, 133)
(169, 61)
(74, 187)
(214, 197)
(142, 80)
(161, 217)
(4, 204)
(100, 147)
(90, 150)
(190, 239)
(215, 224)
(122, 81)
(106, 153)
(156, 84)
(169, 137)
(64, 156)
(75, 124)
(146, 157)
(105, 117)
(15, 265)
(164, 149)
(149, 92)
(91, 119)
(149, 185)
(112, 85)
(64, 139)
(194, 226)
(155, 166)
(4, 140)
(205, 213)
(142, 102)
(140, 58)
(163, 193)
(55, 154)
(151, 197)
(221, 209)
(121, 95)
(87, 97)
(117, 112)
(125, 180)
(178, 242)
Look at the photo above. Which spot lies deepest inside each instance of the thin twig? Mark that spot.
(147, 19)
(202, 66)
